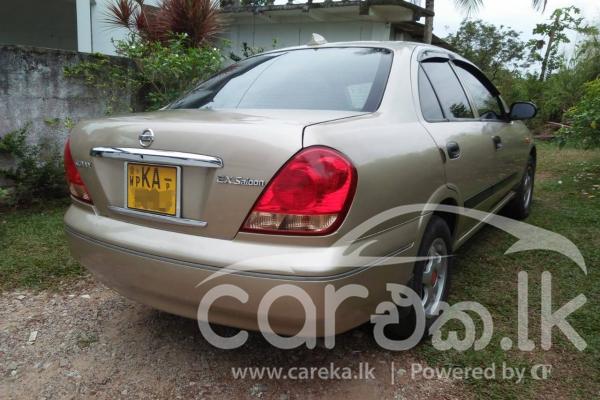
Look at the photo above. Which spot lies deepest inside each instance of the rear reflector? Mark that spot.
(76, 185)
(310, 195)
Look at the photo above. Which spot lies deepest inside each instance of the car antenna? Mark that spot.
(316, 39)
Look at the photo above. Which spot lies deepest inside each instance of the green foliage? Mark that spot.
(161, 72)
(584, 117)
(248, 51)
(53, 122)
(36, 172)
(69, 123)
(493, 49)
(169, 69)
(565, 201)
(35, 254)
(112, 79)
(564, 88)
(498, 51)
(4, 195)
(505, 58)
(554, 34)
(56, 123)
(199, 20)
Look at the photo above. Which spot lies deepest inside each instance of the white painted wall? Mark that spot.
(84, 26)
(294, 34)
(93, 33)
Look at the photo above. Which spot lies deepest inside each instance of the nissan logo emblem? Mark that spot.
(146, 138)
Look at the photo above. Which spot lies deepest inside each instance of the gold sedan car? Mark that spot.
(271, 165)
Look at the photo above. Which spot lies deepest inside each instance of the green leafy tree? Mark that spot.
(491, 48)
(161, 71)
(563, 88)
(35, 171)
(169, 45)
(166, 70)
(585, 118)
(468, 6)
(555, 33)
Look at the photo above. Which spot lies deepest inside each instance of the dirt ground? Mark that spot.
(90, 342)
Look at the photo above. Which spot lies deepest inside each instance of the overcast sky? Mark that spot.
(518, 14)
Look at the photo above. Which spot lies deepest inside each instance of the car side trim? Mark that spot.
(158, 156)
(460, 241)
(473, 201)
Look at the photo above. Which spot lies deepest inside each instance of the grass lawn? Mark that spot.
(567, 201)
(33, 254)
(33, 250)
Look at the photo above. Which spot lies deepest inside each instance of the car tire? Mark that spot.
(520, 206)
(432, 287)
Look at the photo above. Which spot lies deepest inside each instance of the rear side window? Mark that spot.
(450, 93)
(487, 105)
(430, 106)
(349, 79)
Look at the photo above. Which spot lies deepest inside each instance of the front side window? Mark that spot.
(487, 105)
(349, 79)
(448, 89)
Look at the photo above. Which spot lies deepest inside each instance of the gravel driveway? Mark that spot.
(89, 342)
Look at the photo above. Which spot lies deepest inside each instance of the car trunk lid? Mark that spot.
(235, 153)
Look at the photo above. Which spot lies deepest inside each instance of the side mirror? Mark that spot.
(522, 110)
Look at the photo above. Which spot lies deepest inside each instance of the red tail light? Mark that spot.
(76, 185)
(310, 195)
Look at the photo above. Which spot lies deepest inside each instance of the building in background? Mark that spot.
(39, 38)
(77, 25)
(80, 25)
(292, 24)
(39, 23)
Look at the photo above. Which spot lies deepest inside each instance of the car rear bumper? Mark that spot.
(177, 286)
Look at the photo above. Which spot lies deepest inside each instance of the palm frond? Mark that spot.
(470, 6)
(121, 13)
(539, 5)
(199, 19)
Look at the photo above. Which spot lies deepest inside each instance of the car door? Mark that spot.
(453, 125)
(502, 134)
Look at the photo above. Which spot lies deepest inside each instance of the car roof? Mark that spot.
(386, 44)
(392, 45)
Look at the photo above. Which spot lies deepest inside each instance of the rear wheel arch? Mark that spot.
(443, 196)
(450, 218)
(533, 156)
(533, 153)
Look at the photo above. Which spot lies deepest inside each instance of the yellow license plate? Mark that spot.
(152, 188)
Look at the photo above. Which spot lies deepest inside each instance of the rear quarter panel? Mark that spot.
(396, 160)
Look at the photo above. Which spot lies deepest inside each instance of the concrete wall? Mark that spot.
(33, 89)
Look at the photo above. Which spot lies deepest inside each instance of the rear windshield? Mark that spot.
(349, 79)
